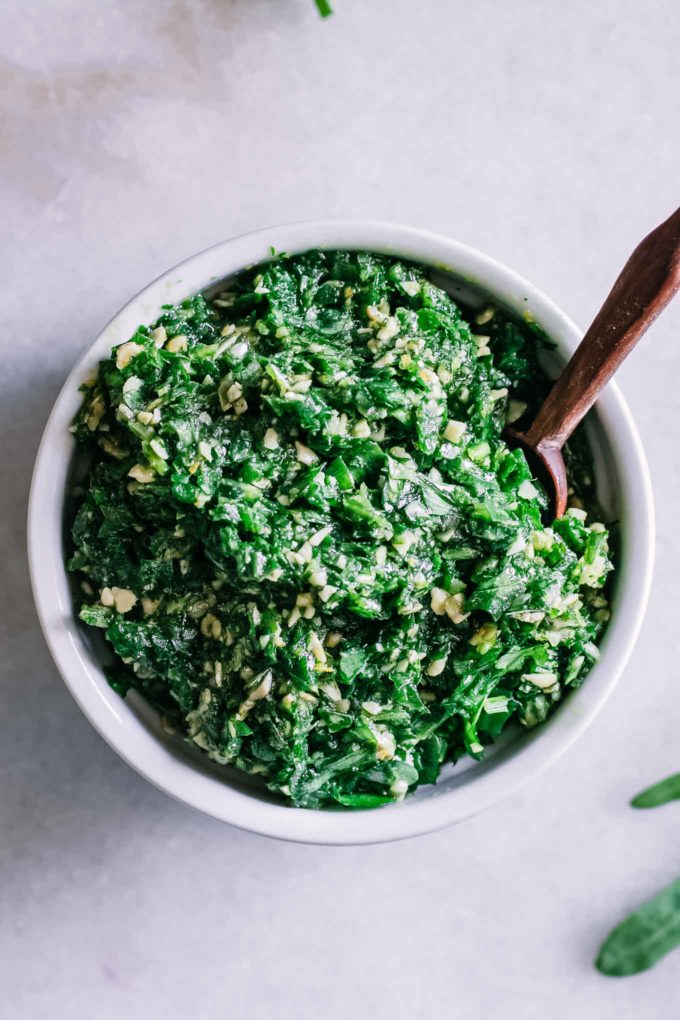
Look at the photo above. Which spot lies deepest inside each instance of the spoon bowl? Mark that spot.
(547, 464)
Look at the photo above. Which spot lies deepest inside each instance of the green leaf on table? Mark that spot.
(644, 937)
(661, 793)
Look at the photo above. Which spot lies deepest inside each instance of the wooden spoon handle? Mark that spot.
(648, 281)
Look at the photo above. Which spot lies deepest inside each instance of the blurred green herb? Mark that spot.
(644, 937)
(324, 8)
(661, 793)
(652, 930)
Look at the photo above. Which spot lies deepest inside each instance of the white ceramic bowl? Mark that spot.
(133, 729)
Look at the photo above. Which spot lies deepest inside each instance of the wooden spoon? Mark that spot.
(648, 281)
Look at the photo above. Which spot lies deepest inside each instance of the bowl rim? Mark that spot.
(134, 742)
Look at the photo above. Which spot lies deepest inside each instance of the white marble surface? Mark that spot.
(135, 134)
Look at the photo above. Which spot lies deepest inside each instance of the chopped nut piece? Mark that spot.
(436, 667)
(149, 606)
(362, 430)
(258, 694)
(304, 454)
(123, 599)
(142, 473)
(126, 352)
(516, 409)
(485, 316)
(454, 431)
(177, 344)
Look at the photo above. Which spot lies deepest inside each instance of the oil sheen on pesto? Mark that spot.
(306, 541)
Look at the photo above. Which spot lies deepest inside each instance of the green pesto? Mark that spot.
(307, 542)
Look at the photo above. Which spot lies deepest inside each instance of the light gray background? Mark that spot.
(135, 134)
